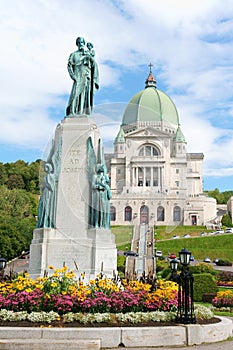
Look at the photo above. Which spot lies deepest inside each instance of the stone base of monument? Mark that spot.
(87, 256)
(71, 242)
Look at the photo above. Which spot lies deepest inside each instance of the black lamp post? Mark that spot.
(185, 293)
(174, 267)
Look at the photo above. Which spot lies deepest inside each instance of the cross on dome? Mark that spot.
(150, 81)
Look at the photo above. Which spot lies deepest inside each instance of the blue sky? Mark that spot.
(189, 42)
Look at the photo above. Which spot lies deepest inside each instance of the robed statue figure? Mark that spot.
(48, 198)
(100, 193)
(83, 70)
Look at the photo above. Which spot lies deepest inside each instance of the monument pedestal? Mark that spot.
(94, 254)
(72, 241)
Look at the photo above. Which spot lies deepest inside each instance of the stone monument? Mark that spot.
(73, 226)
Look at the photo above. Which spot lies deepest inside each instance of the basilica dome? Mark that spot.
(150, 106)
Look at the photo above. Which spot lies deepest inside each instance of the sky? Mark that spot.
(189, 43)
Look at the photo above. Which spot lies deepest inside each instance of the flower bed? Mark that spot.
(224, 299)
(60, 299)
(62, 293)
(225, 279)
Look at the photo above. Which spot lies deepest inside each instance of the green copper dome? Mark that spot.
(150, 105)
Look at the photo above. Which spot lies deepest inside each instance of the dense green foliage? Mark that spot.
(221, 197)
(19, 194)
(226, 220)
(20, 174)
(18, 210)
(203, 283)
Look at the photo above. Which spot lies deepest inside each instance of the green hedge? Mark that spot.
(203, 283)
(202, 268)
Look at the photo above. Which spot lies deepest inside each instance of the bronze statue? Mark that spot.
(83, 70)
(48, 198)
(100, 193)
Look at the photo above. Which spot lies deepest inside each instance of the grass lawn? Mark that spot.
(219, 246)
(123, 236)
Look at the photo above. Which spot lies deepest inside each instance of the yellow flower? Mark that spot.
(51, 267)
(64, 269)
(53, 284)
(55, 274)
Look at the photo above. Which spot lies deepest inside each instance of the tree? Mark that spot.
(226, 220)
(15, 181)
(18, 210)
(3, 174)
(221, 197)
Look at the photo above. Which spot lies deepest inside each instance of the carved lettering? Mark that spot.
(74, 152)
(71, 170)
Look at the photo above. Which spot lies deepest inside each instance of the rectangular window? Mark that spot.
(148, 176)
(155, 177)
(148, 151)
(140, 176)
(177, 183)
(177, 171)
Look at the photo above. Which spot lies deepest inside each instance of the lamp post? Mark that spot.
(174, 267)
(185, 293)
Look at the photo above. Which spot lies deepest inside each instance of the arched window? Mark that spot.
(112, 213)
(144, 215)
(177, 214)
(128, 213)
(148, 151)
(160, 213)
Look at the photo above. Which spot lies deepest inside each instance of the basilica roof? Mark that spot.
(150, 105)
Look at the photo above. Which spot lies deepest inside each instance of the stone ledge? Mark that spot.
(110, 337)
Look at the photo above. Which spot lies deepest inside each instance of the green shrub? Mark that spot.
(203, 267)
(166, 273)
(194, 270)
(226, 220)
(203, 283)
(159, 268)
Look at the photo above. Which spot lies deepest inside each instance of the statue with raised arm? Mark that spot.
(83, 70)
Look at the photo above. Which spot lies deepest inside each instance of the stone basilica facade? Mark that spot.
(154, 180)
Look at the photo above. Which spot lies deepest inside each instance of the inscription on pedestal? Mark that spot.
(73, 161)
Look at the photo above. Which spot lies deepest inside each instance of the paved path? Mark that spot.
(224, 345)
(227, 345)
